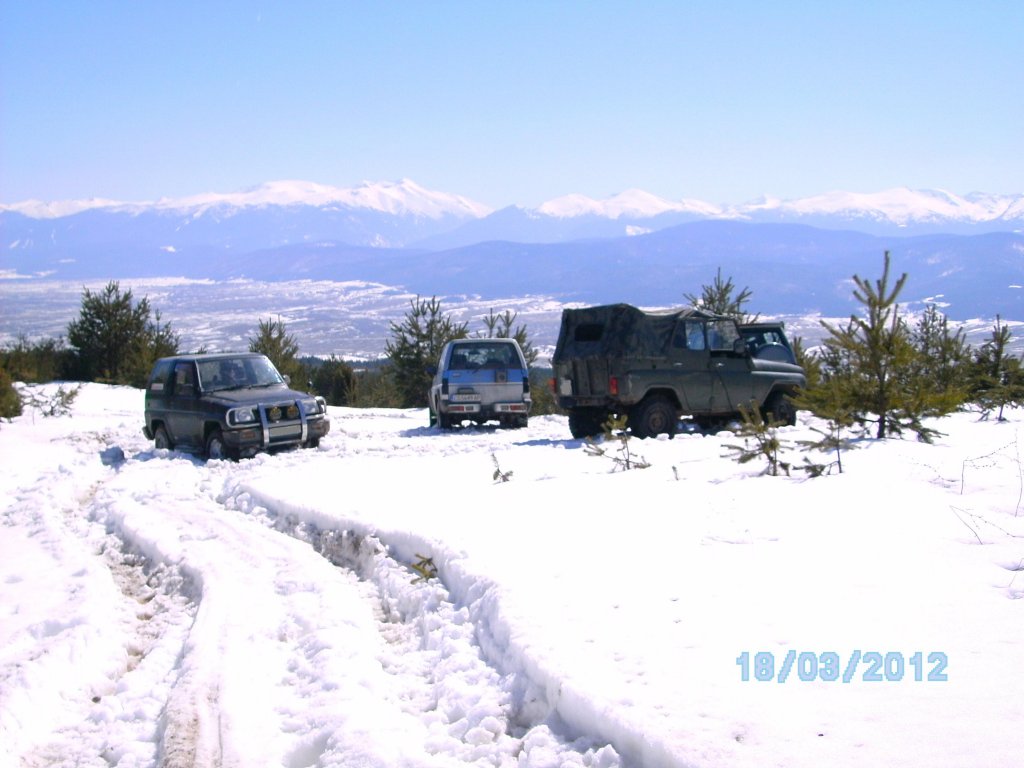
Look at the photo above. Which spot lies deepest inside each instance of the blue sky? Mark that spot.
(511, 102)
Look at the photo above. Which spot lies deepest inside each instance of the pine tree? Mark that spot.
(760, 441)
(335, 380)
(115, 340)
(998, 378)
(872, 372)
(943, 357)
(274, 341)
(810, 362)
(718, 298)
(415, 344)
(373, 387)
(501, 327)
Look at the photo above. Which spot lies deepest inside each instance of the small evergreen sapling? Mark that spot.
(760, 441)
(425, 567)
(998, 379)
(57, 404)
(831, 440)
(623, 457)
(500, 476)
(881, 371)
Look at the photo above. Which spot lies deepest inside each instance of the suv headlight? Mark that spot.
(313, 406)
(243, 415)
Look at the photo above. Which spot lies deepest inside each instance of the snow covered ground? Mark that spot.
(159, 610)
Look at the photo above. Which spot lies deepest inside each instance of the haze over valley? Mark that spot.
(339, 265)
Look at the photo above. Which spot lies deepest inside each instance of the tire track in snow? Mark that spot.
(143, 605)
(473, 712)
(283, 662)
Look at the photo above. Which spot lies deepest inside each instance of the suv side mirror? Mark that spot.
(431, 369)
(739, 346)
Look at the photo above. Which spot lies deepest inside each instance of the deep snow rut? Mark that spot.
(145, 607)
(430, 648)
(238, 637)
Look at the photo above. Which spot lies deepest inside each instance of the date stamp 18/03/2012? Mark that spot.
(857, 666)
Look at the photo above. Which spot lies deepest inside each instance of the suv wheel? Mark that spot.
(161, 441)
(654, 416)
(216, 448)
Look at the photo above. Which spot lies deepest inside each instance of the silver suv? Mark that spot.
(480, 380)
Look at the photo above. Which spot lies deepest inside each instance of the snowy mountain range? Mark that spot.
(901, 207)
(966, 252)
(401, 198)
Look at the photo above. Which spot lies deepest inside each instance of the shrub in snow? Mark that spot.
(760, 440)
(615, 432)
(54, 403)
(997, 377)
(500, 476)
(10, 403)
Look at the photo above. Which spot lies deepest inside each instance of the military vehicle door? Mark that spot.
(691, 365)
(732, 384)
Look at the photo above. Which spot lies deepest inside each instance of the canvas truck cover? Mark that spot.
(617, 330)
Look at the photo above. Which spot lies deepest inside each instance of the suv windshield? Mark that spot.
(237, 373)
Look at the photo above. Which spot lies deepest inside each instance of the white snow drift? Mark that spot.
(159, 610)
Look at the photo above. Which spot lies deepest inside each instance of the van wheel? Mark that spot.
(161, 440)
(586, 422)
(654, 416)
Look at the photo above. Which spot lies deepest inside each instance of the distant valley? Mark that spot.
(340, 265)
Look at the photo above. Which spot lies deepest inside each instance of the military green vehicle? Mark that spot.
(656, 367)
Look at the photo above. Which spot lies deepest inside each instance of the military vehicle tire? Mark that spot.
(780, 408)
(586, 422)
(654, 415)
